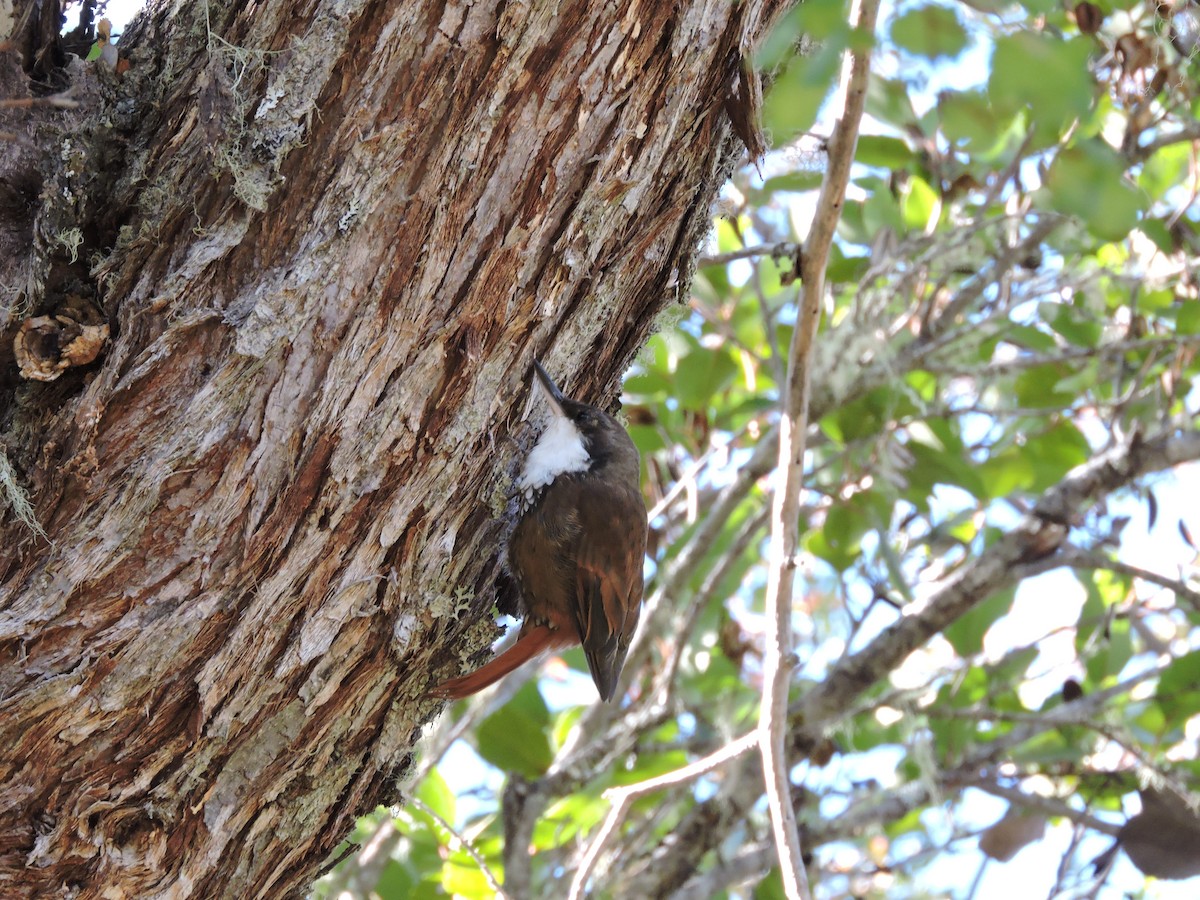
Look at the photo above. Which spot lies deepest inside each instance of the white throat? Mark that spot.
(558, 451)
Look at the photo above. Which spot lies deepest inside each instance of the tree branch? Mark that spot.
(488, 875)
(785, 524)
(1083, 559)
(622, 797)
(782, 250)
(1187, 133)
(1039, 535)
(1050, 806)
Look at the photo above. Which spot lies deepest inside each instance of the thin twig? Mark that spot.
(1083, 559)
(1036, 538)
(782, 250)
(686, 480)
(1050, 806)
(58, 101)
(785, 523)
(466, 845)
(1190, 131)
(622, 797)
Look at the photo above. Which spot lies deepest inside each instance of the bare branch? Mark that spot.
(1039, 536)
(1082, 559)
(1050, 806)
(785, 525)
(58, 101)
(622, 797)
(466, 845)
(1190, 131)
(782, 250)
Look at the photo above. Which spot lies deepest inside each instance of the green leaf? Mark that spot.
(816, 20)
(1150, 300)
(1088, 181)
(701, 375)
(1092, 615)
(1165, 169)
(1073, 323)
(650, 765)
(1178, 692)
(1055, 452)
(516, 737)
(935, 465)
(792, 182)
(881, 211)
(836, 547)
(919, 205)
(395, 882)
(771, 887)
(647, 439)
(951, 736)
(716, 280)
(1027, 337)
(968, 120)
(869, 414)
(884, 152)
(1157, 231)
(966, 635)
(1110, 653)
(1187, 317)
(436, 794)
(1047, 75)
(1006, 472)
(930, 31)
(790, 107)
(462, 877)
(888, 101)
(572, 815)
(94, 53)
(1037, 387)
(563, 723)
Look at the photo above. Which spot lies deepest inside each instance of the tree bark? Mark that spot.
(327, 239)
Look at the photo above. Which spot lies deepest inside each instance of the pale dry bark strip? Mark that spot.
(785, 524)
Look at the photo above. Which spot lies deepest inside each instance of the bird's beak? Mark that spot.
(549, 390)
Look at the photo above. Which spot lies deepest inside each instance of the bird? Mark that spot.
(577, 548)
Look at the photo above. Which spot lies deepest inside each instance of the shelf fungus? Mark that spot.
(46, 346)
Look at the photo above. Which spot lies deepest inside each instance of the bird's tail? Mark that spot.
(531, 642)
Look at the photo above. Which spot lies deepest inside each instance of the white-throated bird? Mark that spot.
(576, 551)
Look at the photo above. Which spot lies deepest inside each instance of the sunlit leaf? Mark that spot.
(930, 31)
(436, 794)
(790, 107)
(1088, 181)
(966, 634)
(919, 205)
(1045, 74)
(516, 737)
(885, 152)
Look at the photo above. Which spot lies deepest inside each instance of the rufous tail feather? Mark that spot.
(531, 642)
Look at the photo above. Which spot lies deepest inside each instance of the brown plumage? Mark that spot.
(576, 552)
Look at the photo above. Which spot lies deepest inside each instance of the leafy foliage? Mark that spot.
(1013, 294)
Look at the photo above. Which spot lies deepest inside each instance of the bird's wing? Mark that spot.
(608, 578)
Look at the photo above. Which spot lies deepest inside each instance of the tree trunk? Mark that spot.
(327, 239)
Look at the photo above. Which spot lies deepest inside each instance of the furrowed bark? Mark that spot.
(327, 238)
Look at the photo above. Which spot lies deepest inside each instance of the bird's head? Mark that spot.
(604, 441)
